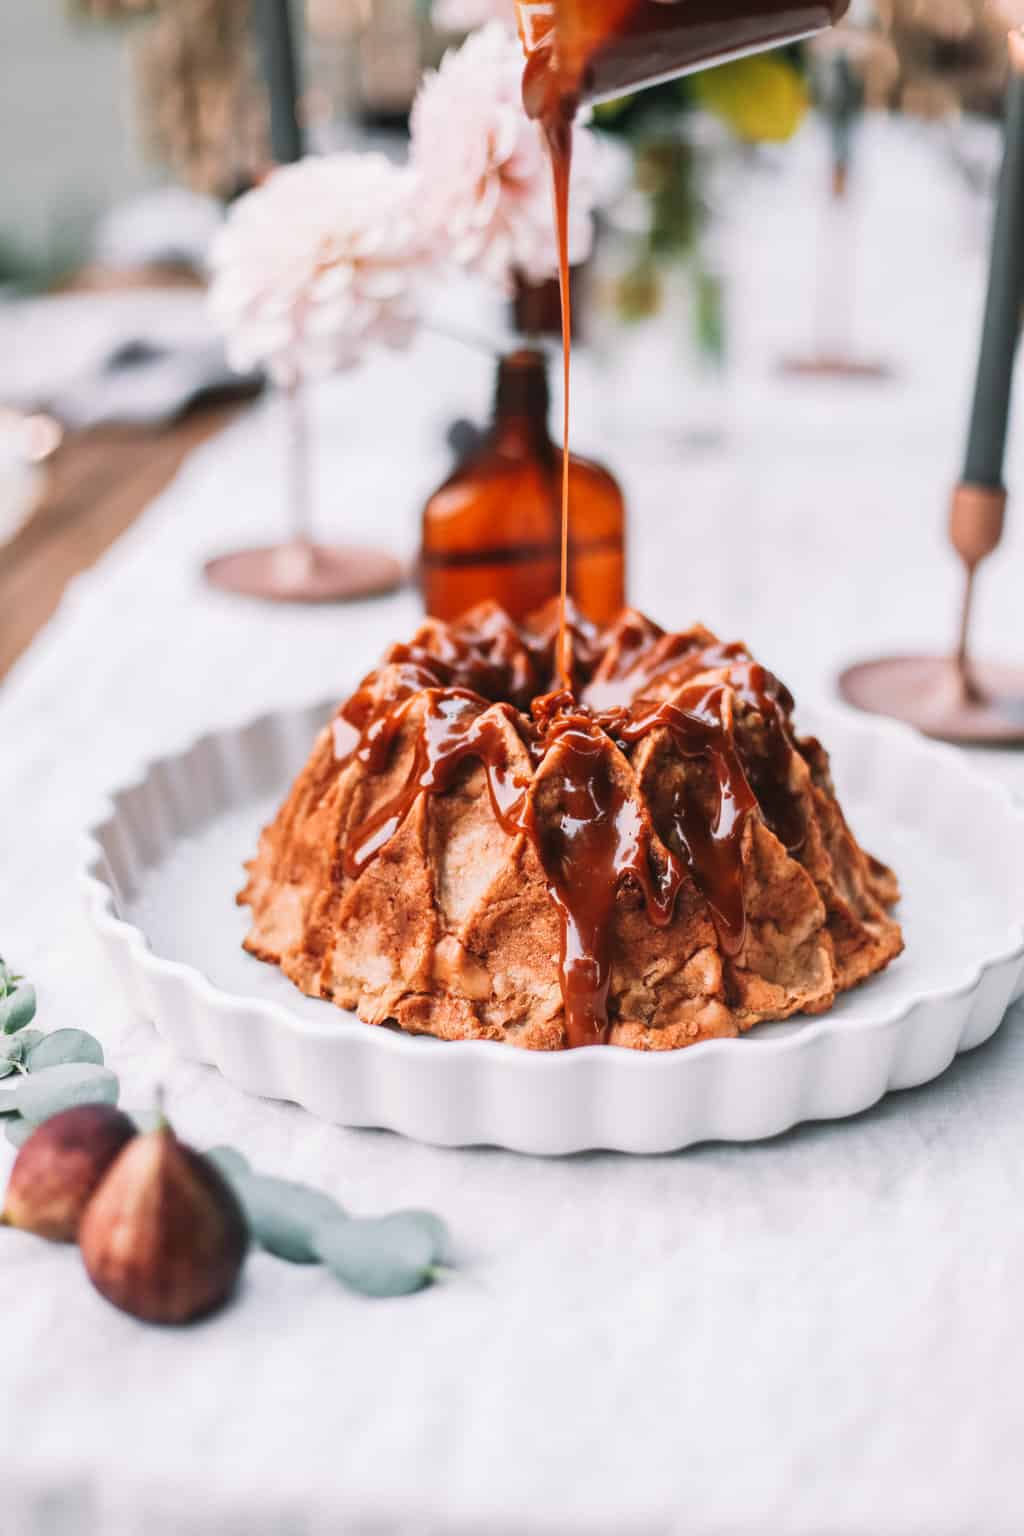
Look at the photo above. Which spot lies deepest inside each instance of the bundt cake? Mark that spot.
(648, 859)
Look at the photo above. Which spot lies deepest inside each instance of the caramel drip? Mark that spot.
(545, 100)
(592, 834)
(601, 838)
(559, 136)
(453, 728)
(678, 657)
(700, 722)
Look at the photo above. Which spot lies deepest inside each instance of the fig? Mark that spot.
(164, 1237)
(60, 1167)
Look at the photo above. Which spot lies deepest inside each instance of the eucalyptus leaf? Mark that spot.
(18, 1009)
(18, 1130)
(229, 1162)
(27, 1039)
(46, 1093)
(391, 1256)
(284, 1218)
(432, 1226)
(63, 1046)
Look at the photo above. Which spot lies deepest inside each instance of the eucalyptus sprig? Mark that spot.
(66, 1065)
(17, 1005)
(392, 1255)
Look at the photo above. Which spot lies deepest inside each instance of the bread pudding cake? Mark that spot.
(649, 859)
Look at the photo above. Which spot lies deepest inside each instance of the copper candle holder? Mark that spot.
(955, 697)
(951, 697)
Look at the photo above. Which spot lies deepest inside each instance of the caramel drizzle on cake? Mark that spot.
(649, 858)
(604, 836)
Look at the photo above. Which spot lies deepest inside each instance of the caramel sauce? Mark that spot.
(558, 129)
(490, 677)
(546, 100)
(451, 730)
(602, 838)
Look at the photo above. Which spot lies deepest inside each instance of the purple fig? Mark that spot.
(164, 1237)
(60, 1167)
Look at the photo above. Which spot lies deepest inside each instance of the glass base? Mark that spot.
(824, 365)
(929, 692)
(305, 573)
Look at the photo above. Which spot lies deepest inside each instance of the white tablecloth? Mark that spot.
(819, 1335)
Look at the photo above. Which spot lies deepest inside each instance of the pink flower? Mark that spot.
(317, 264)
(483, 167)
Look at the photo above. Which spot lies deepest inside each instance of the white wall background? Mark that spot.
(70, 144)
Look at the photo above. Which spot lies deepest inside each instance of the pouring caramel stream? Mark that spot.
(593, 48)
(548, 103)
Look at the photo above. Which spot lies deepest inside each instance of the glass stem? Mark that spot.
(836, 275)
(300, 492)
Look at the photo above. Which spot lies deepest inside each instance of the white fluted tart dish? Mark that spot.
(163, 869)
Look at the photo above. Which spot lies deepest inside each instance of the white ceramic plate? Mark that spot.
(164, 866)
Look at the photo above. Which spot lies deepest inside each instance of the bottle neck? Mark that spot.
(536, 309)
(521, 404)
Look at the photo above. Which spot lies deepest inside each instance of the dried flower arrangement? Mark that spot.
(202, 109)
(936, 59)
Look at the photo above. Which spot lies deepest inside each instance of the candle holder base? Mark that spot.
(835, 366)
(984, 707)
(305, 573)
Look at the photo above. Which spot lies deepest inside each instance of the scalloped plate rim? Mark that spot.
(101, 899)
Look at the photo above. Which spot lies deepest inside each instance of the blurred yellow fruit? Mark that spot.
(762, 99)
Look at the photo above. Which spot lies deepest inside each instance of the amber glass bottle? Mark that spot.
(493, 530)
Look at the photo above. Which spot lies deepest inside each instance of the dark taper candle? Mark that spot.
(986, 445)
(274, 34)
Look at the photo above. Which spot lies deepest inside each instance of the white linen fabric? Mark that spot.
(819, 1336)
